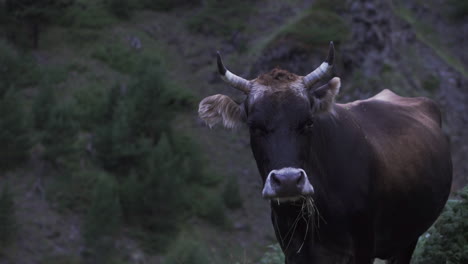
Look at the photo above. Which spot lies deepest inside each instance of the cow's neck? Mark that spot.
(337, 142)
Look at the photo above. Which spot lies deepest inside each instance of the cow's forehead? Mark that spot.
(266, 102)
(276, 81)
(260, 91)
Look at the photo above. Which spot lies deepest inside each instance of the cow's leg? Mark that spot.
(404, 257)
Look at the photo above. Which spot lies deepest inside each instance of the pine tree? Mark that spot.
(35, 13)
(14, 132)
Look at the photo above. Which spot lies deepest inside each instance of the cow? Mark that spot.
(347, 183)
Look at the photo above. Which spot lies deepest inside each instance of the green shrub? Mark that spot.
(231, 195)
(120, 8)
(209, 206)
(91, 104)
(188, 251)
(60, 133)
(14, 131)
(447, 240)
(153, 196)
(17, 70)
(42, 106)
(86, 14)
(137, 117)
(117, 56)
(103, 218)
(8, 225)
(274, 255)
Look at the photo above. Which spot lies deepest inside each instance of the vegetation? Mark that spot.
(117, 159)
(458, 9)
(14, 132)
(103, 219)
(311, 28)
(447, 240)
(231, 194)
(274, 255)
(327, 25)
(221, 17)
(166, 5)
(35, 13)
(8, 225)
(188, 251)
(14, 122)
(17, 70)
(427, 35)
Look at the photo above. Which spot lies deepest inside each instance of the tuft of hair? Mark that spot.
(326, 102)
(276, 76)
(220, 108)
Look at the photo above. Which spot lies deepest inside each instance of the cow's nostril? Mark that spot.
(300, 178)
(275, 179)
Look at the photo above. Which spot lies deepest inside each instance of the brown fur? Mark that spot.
(276, 78)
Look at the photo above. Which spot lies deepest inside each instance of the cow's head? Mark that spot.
(280, 110)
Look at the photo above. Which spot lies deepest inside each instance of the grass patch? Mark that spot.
(221, 17)
(316, 26)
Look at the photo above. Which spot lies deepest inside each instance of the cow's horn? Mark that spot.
(323, 69)
(229, 77)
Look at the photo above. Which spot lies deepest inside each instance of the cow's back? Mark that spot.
(412, 168)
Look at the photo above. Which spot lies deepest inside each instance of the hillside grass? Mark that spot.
(429, 37)
(315, 26)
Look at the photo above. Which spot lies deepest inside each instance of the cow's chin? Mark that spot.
(291, 199)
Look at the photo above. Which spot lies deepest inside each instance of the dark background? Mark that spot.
(104, 160)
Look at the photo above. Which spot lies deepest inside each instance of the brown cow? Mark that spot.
(347, 183)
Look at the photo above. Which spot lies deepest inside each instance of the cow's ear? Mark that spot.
(220, 108)
(324, 96)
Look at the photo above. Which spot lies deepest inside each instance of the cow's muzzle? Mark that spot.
(287, 183)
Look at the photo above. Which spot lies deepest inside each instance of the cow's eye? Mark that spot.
(307, 126)
(258, 130)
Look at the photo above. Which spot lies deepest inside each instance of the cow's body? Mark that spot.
(347, 183)
(384, 177)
